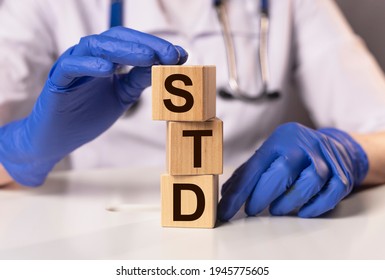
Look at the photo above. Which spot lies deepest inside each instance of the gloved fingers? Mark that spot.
(229, 181)
(166, 52)
(116, 50)
(70, 67)
(131, 85)
(183, 55)
(273, 183)
(334, 191)
(183, 58)
(309, 183)
(242, 184)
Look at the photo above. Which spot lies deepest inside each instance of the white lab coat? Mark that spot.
(313, 54)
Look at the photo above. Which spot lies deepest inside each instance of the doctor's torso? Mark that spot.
(138, 140)
(135, 139)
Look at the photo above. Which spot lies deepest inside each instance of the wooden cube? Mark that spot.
(189, 201)
(183, 93)
(194, 148)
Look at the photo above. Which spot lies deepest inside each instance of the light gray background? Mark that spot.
(367, 17)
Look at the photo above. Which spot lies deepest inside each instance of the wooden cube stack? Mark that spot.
(185, 97)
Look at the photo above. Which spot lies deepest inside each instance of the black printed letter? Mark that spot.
(178, 92)
(178, 216)
(197, 134)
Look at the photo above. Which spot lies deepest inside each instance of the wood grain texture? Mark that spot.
(194, 148)
(190, 202)
(190, 85)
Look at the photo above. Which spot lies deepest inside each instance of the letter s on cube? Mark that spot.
(183, 93)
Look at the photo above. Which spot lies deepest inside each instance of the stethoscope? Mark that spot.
(233, 90)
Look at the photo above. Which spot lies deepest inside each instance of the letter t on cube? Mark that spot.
(195, 148)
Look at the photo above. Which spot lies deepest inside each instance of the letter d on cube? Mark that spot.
(189, 201)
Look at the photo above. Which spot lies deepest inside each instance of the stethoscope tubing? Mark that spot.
(116, 19)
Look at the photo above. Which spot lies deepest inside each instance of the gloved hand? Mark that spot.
(296, 168)
(81, 99)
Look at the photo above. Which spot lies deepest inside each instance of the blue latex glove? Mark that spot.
(81, 99)
(296, 168)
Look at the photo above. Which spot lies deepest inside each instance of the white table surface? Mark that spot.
(115, 214)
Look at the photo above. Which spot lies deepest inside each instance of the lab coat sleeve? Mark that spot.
(26, 55)
(340, 81)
